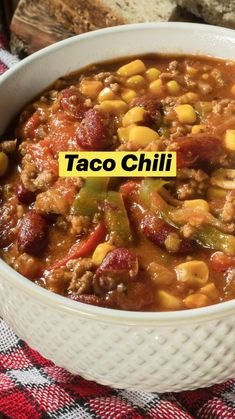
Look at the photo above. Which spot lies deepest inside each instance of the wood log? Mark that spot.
(32, 28)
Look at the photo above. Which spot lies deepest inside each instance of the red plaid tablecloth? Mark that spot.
(32, 387)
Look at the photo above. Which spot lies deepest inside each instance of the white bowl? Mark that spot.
(146, 351)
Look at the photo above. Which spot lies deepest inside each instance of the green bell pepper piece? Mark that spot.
(147, 187)
(211, 237)
(116, 219)
(90, 195)
(206, 235)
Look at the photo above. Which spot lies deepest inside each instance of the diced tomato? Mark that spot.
(33, 122)
(221, 262)
(62, 133)
(42, 156)
(72, 102)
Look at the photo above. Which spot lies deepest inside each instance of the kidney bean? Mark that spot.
(50, 217)
(138, 295)
(24, 195)
(72, 102)
(33, 234)
(157, 231)
(119, 262)
(192, 148)
(93, 131)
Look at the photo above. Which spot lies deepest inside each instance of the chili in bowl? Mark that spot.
(131, 244)
(141, 253)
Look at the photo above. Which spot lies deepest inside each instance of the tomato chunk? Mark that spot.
(42, 156)
(72, 102)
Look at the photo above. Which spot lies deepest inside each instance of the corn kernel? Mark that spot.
(173, 87)
(192, 96)
(107, 94)
(192, 71)
(230, 139)
(186, 114)
(134, 115)
(168, 301)
(142, 136)
(128, 94)
(233, 89)
(194, 273)
(100, 252)
(152, 74)
(216, 193)
(197, 203)
(124, 133)
(197, 301)
(114, 107)
(132, 68)
(91, 88)
(211, 291)
(205, 76)
(189, 97)
(160, 275)
(196, 129)
(136, 82)
(172, 242)
(156, 87)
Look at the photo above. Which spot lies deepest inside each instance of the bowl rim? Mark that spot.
(106, 315)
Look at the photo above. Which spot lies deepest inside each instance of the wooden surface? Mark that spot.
(32, 28)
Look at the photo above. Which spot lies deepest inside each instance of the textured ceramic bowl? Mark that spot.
(148, 351)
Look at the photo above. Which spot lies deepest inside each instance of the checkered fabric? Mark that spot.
(32, 387)
(6, 59)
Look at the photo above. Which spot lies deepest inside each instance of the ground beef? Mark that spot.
(51, 202)
(101, 76)
(58, 280)
(83, 284)
(28, 173)
(189, 82)
(27, 265)
(59, 197)
(8, 223)
(172, 72)
(8, 146)
(44, 180)
(81, 276)
(228, 210)
(218, 77)
(191, 183)
(79, 224)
